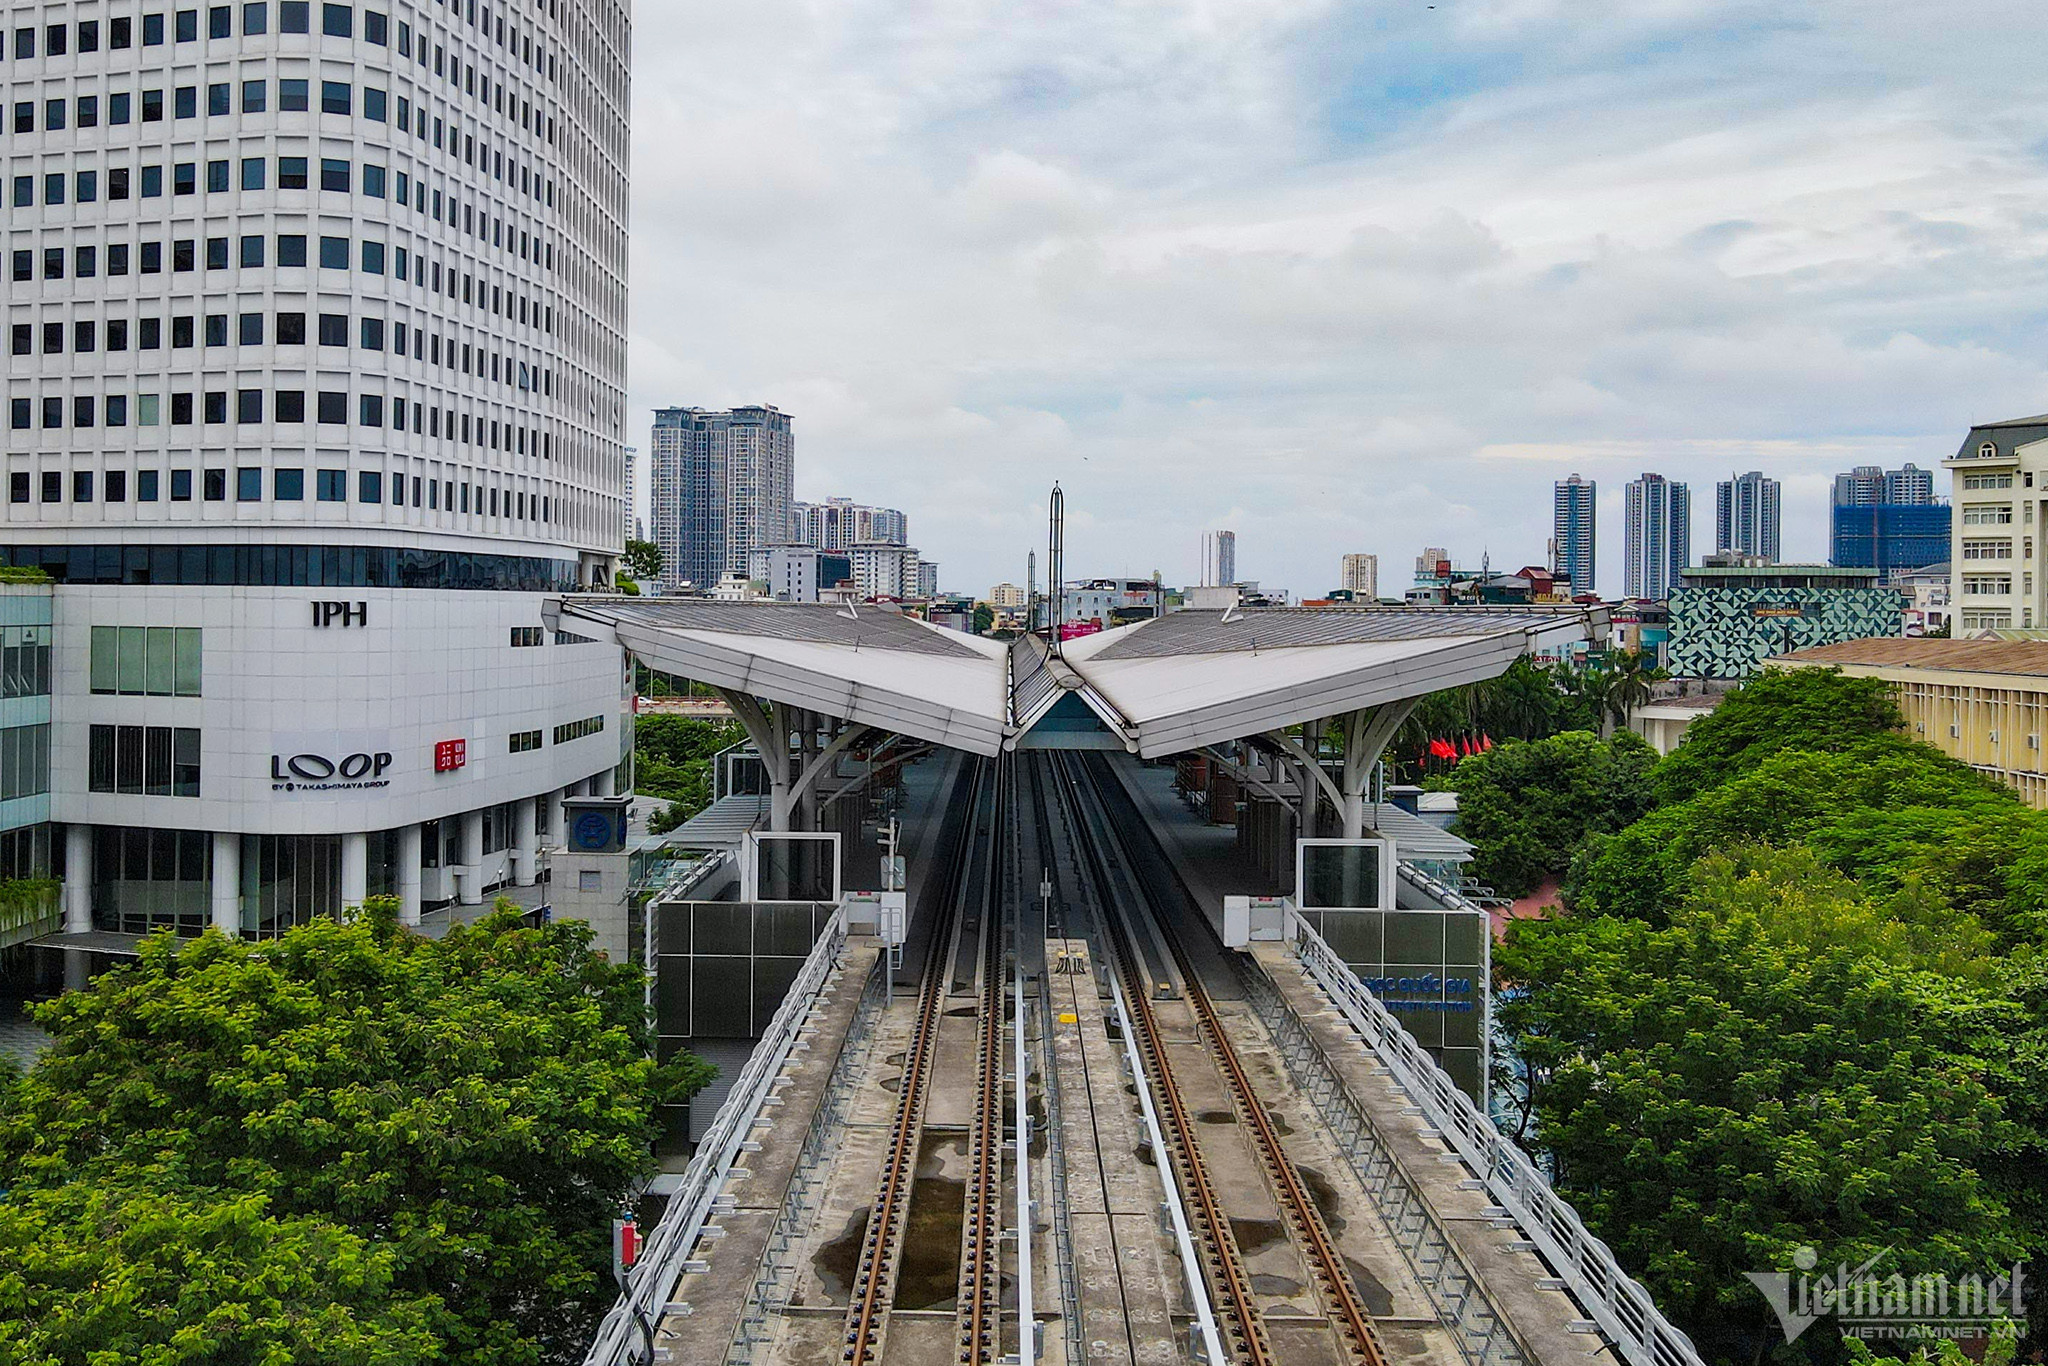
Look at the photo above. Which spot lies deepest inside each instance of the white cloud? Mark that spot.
(1343, 280)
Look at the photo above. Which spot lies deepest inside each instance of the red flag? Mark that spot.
(1441, 749)
(1485, 743)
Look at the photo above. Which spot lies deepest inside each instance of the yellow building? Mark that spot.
(1984, 702)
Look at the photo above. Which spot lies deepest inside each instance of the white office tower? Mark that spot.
(1362, 577)
(841, 524)
(722, 486)
(1219, 558)
(317, 388)
(1746, 515)
(1658, 517)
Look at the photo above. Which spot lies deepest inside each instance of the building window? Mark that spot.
(24, 761)
(288, 485)
(525, 740)
(143, 761)
(1987, 585)
(25, 661)
(1987, 550)
(146, 661)
(523, 636)
(1987, 451)
(332, 486)
(1987, 481)
(576, 730)
(1987, 514)
(369, 486)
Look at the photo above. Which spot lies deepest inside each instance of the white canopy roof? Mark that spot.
(1163, 686)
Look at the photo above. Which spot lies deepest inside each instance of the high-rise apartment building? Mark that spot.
(1219, 558)
(1887, 520)
(841, 524)
(1657, 520)
(1746, 516)
(722, 486)
(1361, 577)
(1573, 513)
(317, 387)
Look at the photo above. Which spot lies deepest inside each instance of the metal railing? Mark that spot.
(775, 1276)
(1479, 1330)
(675, 1237)
(1613, 1300)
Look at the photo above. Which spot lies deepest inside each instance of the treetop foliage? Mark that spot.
(1812, 711)
(456, 1120)
(1798, 998)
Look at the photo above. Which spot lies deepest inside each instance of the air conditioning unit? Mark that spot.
(1955, 732)
(1994, 737)
(2033, 742)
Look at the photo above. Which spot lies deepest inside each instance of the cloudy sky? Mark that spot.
(1360, 276)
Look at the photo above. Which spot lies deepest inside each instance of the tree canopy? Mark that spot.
(1801, 1000)
(446, 1126)
(1811, 711)
(1526, 806)
(672, 761)
(642, 559)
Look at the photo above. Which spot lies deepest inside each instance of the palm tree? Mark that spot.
(1628, 684)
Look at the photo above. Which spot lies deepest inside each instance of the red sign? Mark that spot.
(450, 755)
(1073, 630)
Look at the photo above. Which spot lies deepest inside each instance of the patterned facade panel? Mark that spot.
(1730, 632)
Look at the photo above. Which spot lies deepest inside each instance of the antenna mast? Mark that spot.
(1055, 563)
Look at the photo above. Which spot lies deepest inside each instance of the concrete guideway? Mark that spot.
(1444, 1275)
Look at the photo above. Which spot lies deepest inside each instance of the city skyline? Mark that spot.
(1293, 326)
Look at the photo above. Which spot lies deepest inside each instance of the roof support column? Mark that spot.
(1312, 769)
(805, 789)
(1366, 733)
(770, 734)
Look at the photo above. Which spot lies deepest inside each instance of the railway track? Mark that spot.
(874, 1280)
(967, 910)
(979, 1303)
(1083, 781)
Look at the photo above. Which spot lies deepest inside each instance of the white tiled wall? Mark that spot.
(429, 666)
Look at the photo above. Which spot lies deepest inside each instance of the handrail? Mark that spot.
(1616, 1302)
(675, 1235)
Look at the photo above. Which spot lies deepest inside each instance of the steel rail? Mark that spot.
(979, 1302)
(1239, 1304)
(874, 1281)
(1325, 1261)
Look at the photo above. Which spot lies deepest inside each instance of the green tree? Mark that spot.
(625, 585)
(145, 1271)
(1627, 684)
(479, 1105)
(642, 559)
(1528, 805)
(1760, 1075)
(672, 761)
(1643, 871)
(1819, 711)
(984, 618)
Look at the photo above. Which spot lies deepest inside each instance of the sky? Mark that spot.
(1338, 277)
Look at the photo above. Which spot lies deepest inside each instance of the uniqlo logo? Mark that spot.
(450, 755)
